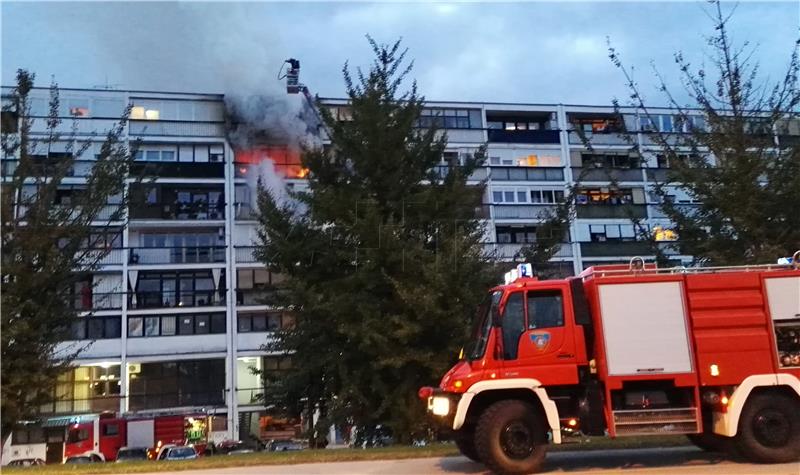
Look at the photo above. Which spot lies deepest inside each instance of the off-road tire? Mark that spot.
(465, 441)
(510, 438)
(769, 429)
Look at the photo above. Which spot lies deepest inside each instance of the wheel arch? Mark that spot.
(727, 423)
(481, 395)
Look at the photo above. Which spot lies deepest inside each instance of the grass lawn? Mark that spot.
(340, 455)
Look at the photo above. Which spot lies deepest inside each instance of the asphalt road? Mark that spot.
(678, 460)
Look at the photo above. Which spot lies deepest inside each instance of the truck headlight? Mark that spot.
(440, 406)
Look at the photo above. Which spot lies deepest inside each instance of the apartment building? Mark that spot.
(176, 319)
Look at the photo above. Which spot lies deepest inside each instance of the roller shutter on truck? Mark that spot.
(645, 328)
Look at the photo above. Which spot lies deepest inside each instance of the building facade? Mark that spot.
(176, 320)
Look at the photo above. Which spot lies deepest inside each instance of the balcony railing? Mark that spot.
(197, 211)
(524, 136)
(178, 169)
(527, 173)
(477, 175)
(172, 399)
(610, 138)
(79, 168)
(513, 251)
(169, 128)
(607, 174)
(176, 255)
(171, 299)
(250, 395)
(253, 296)
(245, 254)
(601, 211)
(100, 257)
(90, 300)
(522, 211)
(245, 212)
(616, 248)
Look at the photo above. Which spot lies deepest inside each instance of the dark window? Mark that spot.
(79, 329)
(245, 323)
(218, 323)
(9, 122)
(95, 328)
(113, 327)
(135, 326)
(185, 324)
(110, 429)
(260, 323)
(201, 324)
(545, 309)
(513, 325)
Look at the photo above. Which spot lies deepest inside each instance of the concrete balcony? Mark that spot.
(611, 138)
(199, 211)
(524, 136)
(527, 173)
(607, 174)
(522, 211)
(616, 248)
(504, 251)
(175, 128)
(177, 255)
(178, 170)
(599, 211)
(175, 299)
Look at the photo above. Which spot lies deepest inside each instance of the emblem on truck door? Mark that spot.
(540, 340)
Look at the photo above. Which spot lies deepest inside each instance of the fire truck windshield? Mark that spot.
(481, 326)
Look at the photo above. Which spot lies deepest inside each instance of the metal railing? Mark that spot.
(524, 136)
(175, 399)
(245, 254)
(176, 255)
(620, 211)
(100, 257)
(246, 297)
(590, 173)
(511, 173)
(171, 299)
(250, 395)
(513, 251)
(168, 128)
(90, 300)
(192, 211)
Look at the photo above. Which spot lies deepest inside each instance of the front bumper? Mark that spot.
(442, 407)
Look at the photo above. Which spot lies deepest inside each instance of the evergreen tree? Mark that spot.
(48, 247)
(738, 162)
(383, 258)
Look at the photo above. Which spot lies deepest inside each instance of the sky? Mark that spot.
(532, 52)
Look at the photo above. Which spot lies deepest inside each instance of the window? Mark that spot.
(513, 325)
(450, 118)
(96, 328)
(516, 234)
(135, 326)
(264, 322)
(545, 309)
(110, 429)
(151, 326)
(170, 325)
(605, 196)
(609, 160)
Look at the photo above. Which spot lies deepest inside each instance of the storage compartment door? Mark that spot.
(644, 327)
(140, 433)
(783, 294)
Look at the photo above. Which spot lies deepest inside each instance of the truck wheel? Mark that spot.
(769, 429)
(510, 438)
(465, 441)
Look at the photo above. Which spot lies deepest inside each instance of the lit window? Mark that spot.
(137, 112)
(151, 114)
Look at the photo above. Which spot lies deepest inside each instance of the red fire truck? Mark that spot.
(630, 350)
(103, 436)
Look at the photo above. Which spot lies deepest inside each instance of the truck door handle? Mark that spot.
(565, 355)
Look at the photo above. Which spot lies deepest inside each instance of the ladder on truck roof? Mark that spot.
(637, 266)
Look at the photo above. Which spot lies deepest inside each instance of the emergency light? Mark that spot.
(522, 270)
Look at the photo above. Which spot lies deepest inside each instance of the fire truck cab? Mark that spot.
(629, 350)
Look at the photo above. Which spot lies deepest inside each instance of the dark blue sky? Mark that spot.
(520, 52)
